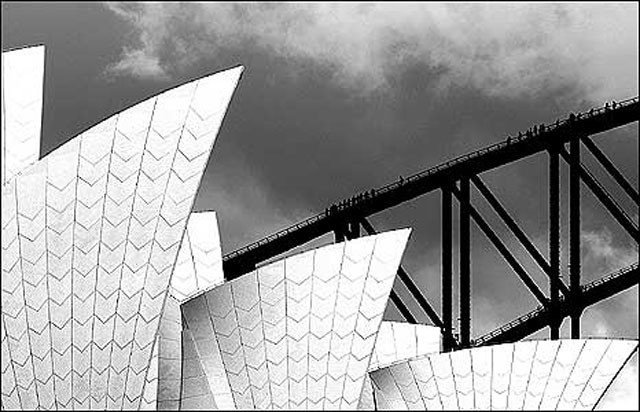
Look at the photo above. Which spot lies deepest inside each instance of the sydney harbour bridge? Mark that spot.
(559, 142)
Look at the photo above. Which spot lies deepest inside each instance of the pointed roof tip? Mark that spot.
(234, 71)
(237, 69)
(405, 232)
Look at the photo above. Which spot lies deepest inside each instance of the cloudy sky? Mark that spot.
(340, 98)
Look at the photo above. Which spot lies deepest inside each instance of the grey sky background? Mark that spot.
(340, 98)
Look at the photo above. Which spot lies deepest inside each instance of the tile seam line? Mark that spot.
(264, 336)
(549, 375)
(11, 364)
(124, 253)
(24, 297)
(593, 373)
(358, 315)
(566, 381)
(49, 299)
(526, 387)
(102, 219)
(215, 336)
(343, 248)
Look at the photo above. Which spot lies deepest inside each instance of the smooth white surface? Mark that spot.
(199, 265)
(299, 333)
(534, 375)
(90, 236)
(22, 92)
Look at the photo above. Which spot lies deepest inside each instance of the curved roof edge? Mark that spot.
(562, 374)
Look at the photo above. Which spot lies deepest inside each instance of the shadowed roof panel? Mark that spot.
(199, 265)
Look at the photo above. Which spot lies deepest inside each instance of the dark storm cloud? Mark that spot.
(339, 98)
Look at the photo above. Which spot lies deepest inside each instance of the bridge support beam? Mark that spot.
(516, 230)
(402, 308)
(465, 265)
(354, 230)
(447, 267)
(605, 198)
(504, 252)
(554, 241)
(611, 168)
(574, 235)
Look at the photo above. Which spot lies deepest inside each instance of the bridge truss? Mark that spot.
(454, 179)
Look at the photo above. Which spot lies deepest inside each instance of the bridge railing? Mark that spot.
(345, 204)
(536, 312)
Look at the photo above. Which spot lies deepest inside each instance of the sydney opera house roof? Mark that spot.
(114, 297)
(90, 236)
(531, 375)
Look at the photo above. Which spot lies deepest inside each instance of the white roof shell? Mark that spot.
(199, 265)
(398, 341)
(297, 333)
(90, 236)
(532, 375)
(22, 82)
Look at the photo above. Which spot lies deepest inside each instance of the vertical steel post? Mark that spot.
(465, 265)
(354, 229)
(447, 267)
(339, 233)
(574, 236)
(554, 240)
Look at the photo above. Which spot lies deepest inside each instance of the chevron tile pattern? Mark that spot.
(164, 377)
(199, 265)
(90, 236)
(398, 341)
(298, 333)
(22, 81)
(532, 375)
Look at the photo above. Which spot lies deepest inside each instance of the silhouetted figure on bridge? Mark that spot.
(613, 104)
